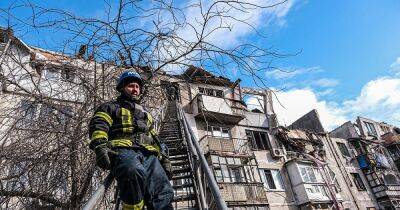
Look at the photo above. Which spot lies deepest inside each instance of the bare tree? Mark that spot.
(48, 97)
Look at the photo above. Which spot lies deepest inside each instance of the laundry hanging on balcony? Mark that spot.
(381, 161)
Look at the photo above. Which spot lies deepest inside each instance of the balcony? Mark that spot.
(391, 138)
(255, 119)
(384, 191)
(229, 145)
(220, 109)
(309, 185)
(243, 193)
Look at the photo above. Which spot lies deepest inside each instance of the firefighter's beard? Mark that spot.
(130, 96)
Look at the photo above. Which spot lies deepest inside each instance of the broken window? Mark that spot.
(255, 103)
(343, 149)
(211, 92)
(68, 75)
(227, 169)
(394, 151)
(34, 115)
(201, 90)
(55, 73)
(259, 140)
(272, 179)
(51, 73)
(358, 181)
(370, 129)
(28, 111)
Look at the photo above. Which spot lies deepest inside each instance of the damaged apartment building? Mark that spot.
(255, 162)
(301, 166)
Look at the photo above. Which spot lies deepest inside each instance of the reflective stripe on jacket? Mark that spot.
(122, 123)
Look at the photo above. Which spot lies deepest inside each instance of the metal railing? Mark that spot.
(234, 145)
(219, 105)
(98, 194)
(159, 116)
(204, 172)
(249, 193)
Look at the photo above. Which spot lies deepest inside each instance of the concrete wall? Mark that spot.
(343, 167)
(310, 122)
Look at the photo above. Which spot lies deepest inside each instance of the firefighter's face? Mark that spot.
(133, 89)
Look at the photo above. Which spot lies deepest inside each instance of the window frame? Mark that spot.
(225, 132)
(63, 74)
(371, 129)
(255, 143)
(225, 171)
(38, 115)
(211, 92)
(358, 182)
(343, 149)
(272, 179)
(312, 174)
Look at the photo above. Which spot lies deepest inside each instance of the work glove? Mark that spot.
(142, 126)
(103, 156)
(166, 164)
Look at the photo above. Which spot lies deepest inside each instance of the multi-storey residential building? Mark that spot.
(44, 100)
(301, 167)
(256, 163)
(371, 144)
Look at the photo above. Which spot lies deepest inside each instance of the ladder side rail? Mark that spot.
(99, 193)
(216, 193)
(194, 160)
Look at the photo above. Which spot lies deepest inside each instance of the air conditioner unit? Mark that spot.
(278, 152)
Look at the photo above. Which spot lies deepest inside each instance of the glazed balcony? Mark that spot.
(229, 145)
(216, 108)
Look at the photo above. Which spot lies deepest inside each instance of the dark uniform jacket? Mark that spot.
(122, 123)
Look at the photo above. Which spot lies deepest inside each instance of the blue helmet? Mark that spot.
(127, 77)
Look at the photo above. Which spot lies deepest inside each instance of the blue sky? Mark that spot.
(346, 62)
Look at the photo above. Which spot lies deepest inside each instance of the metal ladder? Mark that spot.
(183, 182)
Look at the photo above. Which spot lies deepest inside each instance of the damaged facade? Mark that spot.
(256, 163)
(300, 166)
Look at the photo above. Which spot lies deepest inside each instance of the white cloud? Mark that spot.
(226, 25)
(395, 66)
(379, 100)
(290, 73)
(326, 82)
(236, 21)
(297, 102)
(254, 102)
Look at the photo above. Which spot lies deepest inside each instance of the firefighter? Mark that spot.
(125, 142)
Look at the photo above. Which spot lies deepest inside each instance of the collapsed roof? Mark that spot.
(198, 75)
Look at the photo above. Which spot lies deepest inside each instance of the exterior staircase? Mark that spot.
(170, 133)
(189, 167)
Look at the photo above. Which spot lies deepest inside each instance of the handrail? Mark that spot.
(96, 197)
(220, 203)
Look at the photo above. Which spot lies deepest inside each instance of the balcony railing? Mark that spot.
(387, 191)
(223, 109)
(243, 193)
(232, 145)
